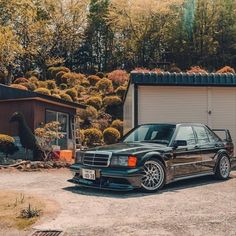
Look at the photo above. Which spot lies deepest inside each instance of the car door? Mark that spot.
(186, 159)
(208, 145)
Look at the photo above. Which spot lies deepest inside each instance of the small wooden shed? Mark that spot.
(38, 109)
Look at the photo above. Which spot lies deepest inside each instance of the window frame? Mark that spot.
(177, 130)
(202, 126)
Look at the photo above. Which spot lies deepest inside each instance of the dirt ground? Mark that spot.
(200, 206)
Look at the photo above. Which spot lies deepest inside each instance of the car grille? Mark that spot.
(100, 159)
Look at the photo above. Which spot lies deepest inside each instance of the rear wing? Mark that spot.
(224, 134)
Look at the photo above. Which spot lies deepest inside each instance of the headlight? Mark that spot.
(78, 157)
(129, 161)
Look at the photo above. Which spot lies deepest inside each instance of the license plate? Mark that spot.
(88, 174)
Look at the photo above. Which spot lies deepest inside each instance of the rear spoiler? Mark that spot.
(225, 132)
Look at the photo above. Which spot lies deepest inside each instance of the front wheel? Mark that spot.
(223, 168)
(154, 176)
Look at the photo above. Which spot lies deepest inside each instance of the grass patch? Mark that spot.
(18, 210)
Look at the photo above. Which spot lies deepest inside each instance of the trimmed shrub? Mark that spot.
(118, 124)
(20, 80)
(66, 97)
(197, 69)
(95, 101)
(52, 71)
(72, 93)
(80, 89)
(93, 79)
(226, 69)
(7, 145)
(63, 86)
(141, 70)
(42, 84)
(31, 73)
(72, 79)
(30, 86)
(174, 68)
(51, 84)
(18, 86)
(80, 133)
(34, 80)
(88, 113)
(118, 77)
(120, 91)
(92, 136)
(44, 91)
(157, 70)
(111, 135)
(85, 83)
(56, 95)
(105, 85)
(102, 123)
(100, 75)
(111, 101)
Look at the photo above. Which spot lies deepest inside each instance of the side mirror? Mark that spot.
(180, 143)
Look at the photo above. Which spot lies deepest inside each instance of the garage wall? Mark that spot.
(129, 109)
(172, 104)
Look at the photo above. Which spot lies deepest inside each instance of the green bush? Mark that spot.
(72, 93)
(44, 91)
(105, 85)
(7, 145)
(20, 80)
(111, 135)
(31, 73)
(30, 86)
(51, 84)
(18, 86)
(66, 97)
(111, 101)
(92, 136)
(120, 91)
(63, 86)
(118, 124)
(100, 75)
(95, 101)
(93, 79)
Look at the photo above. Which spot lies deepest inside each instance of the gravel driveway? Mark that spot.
(200, 206)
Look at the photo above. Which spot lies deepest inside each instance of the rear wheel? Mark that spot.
(223, 168)
(154, 176)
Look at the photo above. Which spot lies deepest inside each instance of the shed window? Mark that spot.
(63, 119)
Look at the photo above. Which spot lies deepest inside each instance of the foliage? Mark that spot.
(51, 84)
(53, 71)
(29, 212)
(92, 136)
(95, 101)
(100, 74)
(7, 145)
(18, 86)
(44, 91)
(121, 91)
(71, 79)
(105, 85)
(66, 97)
(47, 135)
(93, 79)
(31, 73)
(112, 101)
(21, 80)
(89, 112)
(42, 84)
(226, 69)
(63, 86)
(111, 135)
(72, 93)
(30, 86)
(196, 69)
(118, 77)
(118, 124)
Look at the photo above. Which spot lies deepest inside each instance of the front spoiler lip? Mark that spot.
(133, 176)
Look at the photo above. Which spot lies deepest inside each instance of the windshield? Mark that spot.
(160, 133)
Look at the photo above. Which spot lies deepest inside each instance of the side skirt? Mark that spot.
(190, 177)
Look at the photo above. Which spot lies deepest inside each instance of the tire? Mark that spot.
(223, 168)
(154, 176)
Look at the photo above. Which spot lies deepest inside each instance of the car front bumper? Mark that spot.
(108, 178)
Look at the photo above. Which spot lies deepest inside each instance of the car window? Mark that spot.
(212, 136)
(186, 133)
(201, 133)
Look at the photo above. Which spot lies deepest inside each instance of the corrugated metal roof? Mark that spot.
(7, 93)
(184, 79)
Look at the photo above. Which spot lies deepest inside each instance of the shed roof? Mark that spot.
(184, 79)
(8, 93)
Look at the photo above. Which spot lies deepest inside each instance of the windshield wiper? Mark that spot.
(156, 141)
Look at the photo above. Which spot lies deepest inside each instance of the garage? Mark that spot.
(172, 97)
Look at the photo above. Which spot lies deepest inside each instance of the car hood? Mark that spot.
(131, 148)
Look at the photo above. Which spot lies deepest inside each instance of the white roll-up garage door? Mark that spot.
(172, 104)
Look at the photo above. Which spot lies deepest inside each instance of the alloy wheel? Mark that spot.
(224, 167)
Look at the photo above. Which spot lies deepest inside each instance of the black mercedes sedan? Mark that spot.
(152, 155)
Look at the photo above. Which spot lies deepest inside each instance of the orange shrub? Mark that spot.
(21, 80)
(118, 77)
(226, 69)
(18, 86)
(196, 69)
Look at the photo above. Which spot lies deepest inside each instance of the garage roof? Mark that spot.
(184, 79)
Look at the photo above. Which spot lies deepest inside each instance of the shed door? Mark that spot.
(172, 104)
(223, 109)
